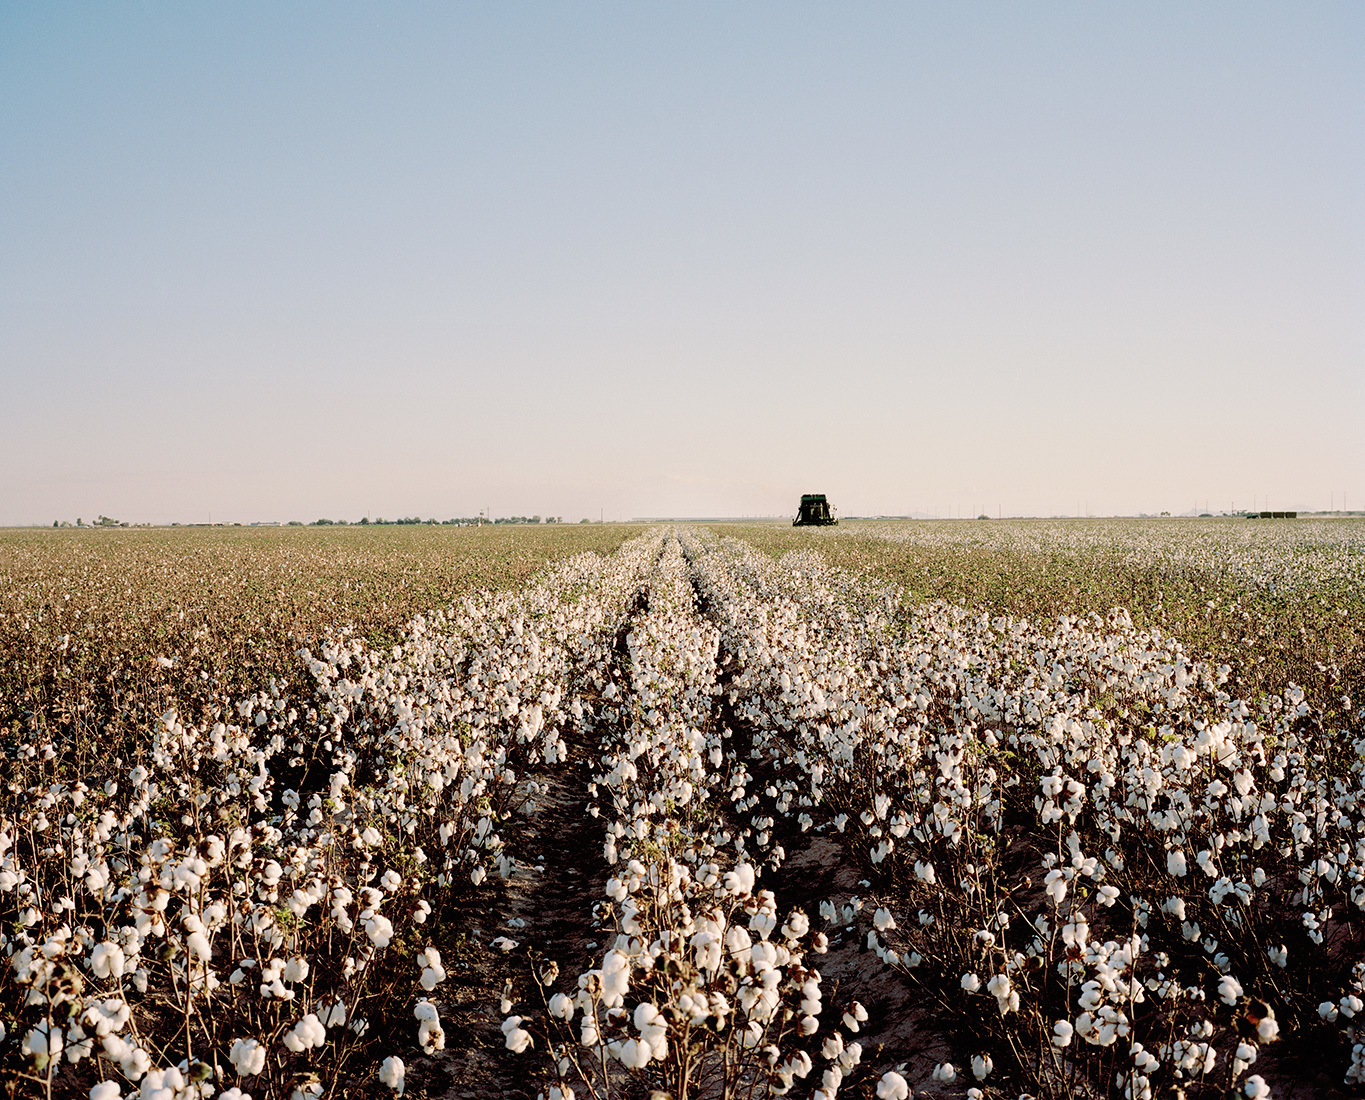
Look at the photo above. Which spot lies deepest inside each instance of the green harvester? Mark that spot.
(815, 511)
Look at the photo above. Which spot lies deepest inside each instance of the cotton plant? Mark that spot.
(704, 989)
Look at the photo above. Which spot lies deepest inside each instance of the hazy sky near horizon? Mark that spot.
(274, 262)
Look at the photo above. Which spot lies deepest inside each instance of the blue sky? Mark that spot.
(273, 262)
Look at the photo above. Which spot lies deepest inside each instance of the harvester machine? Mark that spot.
(815, 511)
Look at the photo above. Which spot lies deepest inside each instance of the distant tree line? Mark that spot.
(102, 521)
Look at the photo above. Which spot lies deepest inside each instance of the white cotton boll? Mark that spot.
(391, 1073)
(982, 1066)
(740, 881)
(517, 1037)
(1062, 1032)
(971, 983)
(1255, 1087)
(1229, 989)
(248, 1057)
(892, 1086)
(561, 1007)
(653, 1029)
(296, 969)
(854, 1017)
(945, 1072)
(588, 1033)
(477, 875)
(41, 1041)
(809, 1025)
(105, 1090)
(305, 1035)
(631, 1053)
(883, 920)
(380, 930)
(1175, 863)
(615, 978)
(107, 960)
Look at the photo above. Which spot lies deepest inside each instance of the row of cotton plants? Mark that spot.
(705, 989)
(1016, 788)
(248, 906)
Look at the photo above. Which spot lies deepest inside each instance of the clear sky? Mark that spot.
(283, 261)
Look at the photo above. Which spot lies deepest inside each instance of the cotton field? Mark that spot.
(690, 819)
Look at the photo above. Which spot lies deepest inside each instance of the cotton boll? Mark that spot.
(892, 1086)
(248, 1057)
(380, 930)
(516, 1037)
(392, 1072)
(107, 960)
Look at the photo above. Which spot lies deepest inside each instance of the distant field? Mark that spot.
(84, 615)
(1281, 600)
